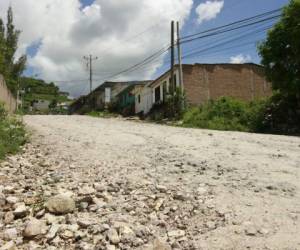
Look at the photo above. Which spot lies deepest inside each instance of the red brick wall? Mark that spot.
(203, 82)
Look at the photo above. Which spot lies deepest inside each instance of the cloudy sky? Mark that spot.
(56, 34)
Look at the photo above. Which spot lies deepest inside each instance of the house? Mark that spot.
(204, 82)
(104, 96)
(127, 98)
(63, 105)
(41, 105)
(143, 99)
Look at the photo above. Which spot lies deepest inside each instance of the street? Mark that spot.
(135, 182)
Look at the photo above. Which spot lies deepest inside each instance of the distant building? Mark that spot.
(204, 82)
(63, 105)
(201, 83)
(143, 99)
(41, 105)
(127, 100)
(105, 95)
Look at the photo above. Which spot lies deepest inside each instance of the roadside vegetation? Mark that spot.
(279, 114)
(12, 133)
(226, 113)
(36, 89)
(10, 66)
(102, 114)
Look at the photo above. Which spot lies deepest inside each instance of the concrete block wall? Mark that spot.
(6, 96)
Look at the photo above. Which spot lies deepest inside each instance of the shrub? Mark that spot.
(102, 114)
(225, 113)
(172, 107)
(3, 112)
(12, 134)
(281, 115)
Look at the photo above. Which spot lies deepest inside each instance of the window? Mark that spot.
(139, 98)
(157, 94)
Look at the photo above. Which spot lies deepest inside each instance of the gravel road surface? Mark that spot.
(145, 186)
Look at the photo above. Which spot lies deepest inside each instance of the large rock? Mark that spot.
(35, 228)
(9, 217)
(86, 190)
(10, 234)
(176, 233)
(60, 204)
(113, 236)
(9, 246)
(12, 200)
(159, 245)
(52, 232)
(20, 211)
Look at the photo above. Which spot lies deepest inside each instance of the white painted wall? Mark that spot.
(161, 82)
(107, 95)
(41, 105)
(146, 100)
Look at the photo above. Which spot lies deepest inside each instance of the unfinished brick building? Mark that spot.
(203, 82)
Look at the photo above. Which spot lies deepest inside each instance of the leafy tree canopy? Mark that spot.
(10, 67)
(281, 52)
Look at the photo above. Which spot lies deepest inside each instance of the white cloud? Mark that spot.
(67, 32)
(209, 10)
(238, 59)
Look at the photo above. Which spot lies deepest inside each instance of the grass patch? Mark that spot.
(227, 114)
(12, 133)
(102, 114)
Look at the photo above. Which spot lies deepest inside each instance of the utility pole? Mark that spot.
(179, 58)
(90, 60)
(172, 58)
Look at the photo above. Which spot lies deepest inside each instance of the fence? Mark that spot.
(6, 96)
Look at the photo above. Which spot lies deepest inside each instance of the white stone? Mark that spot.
(60, 204)
(10, 234)
(12, 200)
(176, 233)
(35, 228)
(20, 211)
(113, 236)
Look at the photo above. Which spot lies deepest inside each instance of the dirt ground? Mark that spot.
(186, 188)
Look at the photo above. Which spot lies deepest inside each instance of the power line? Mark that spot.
(142, 66)
(218, 31)
(234, 23)
(228, 41)
(207, 33)
(231, 29)
(145, 61)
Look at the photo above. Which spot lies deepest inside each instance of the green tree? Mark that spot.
(2, 45)
(10, 67)
(280, 52)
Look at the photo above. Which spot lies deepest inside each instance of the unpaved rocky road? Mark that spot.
(129, 185)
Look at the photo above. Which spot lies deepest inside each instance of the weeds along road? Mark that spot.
(167, 186)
